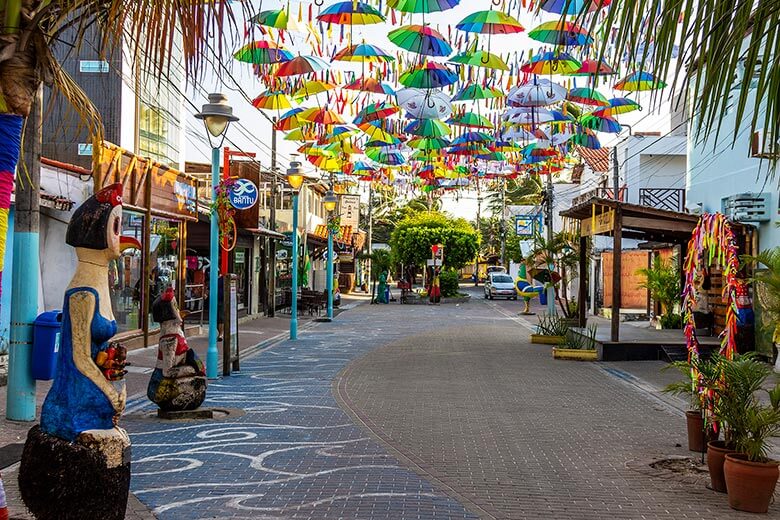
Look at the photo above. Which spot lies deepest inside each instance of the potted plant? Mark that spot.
(700, 379)
(750, 475)
(578, 346)
(663, 282)
(551, 330)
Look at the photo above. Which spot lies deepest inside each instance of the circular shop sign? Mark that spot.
(244, 194)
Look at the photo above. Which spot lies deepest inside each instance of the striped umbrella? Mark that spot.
(490, 22)
(272, 101)
(362, 52)
(371, 85)
(350, 12)
(420, 39)
(276, 18)
(262, 53)
(422, 6)
(476, 91)
(429, 75)
(301, 65)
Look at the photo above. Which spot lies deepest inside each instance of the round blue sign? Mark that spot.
(244, 194)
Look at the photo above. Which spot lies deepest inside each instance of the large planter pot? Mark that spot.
(750, 484)
(696, 437)
(547, 340)
(716, 457)
(575, 354)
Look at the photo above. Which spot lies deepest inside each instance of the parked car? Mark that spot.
(495, 269)
(500, 285)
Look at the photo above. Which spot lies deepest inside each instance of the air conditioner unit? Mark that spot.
(747, 207)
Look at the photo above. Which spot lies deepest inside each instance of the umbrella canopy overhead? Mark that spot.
(312, 88)
(638, 82)
(618, 105)
(271, 101)
(350, 12)
(371, 85)
(573, 7)
(321, 116)
(561, 33)
(362, 52)
(276, 18)
(600, 124)
(549, 63)
(422, 6)
(475, 92)
(490, 22)
(424, 103)
(376, 112)
(429, 75)
(594, 68)
(301, 65)
(427, 128)
(480, 58)
(262, 53)
(541, 92)
(587, 96)
(429, 143)
(471, 120)
(421, 40)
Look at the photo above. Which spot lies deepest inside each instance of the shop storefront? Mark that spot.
(158, 202)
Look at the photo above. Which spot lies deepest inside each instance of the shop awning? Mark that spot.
(266, 233)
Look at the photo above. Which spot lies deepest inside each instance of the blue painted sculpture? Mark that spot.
(77, 463)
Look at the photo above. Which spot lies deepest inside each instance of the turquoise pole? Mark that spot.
(294, 289)
(24, 295)
(330, 274)
(212, 356)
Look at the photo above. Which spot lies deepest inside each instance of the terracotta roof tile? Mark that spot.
(597, 160)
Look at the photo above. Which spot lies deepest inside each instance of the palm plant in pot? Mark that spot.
(700, 378)
(750, 475)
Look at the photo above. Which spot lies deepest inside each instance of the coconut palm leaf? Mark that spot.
(724, 52)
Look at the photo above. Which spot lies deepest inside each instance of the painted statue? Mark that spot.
(381, 296)
(525, 287)
(76, 464)
(434, 293)
(179, 378)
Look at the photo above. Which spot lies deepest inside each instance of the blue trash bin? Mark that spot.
(46, 345)
(543, 296)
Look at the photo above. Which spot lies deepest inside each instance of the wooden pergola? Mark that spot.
(599, 216)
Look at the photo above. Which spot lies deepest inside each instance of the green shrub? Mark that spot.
(552, 325)
(448, 283)
(671, 321)
(585, 340)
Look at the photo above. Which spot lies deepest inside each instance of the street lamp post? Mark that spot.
(330, 201)
(295, 179)
(217, 115)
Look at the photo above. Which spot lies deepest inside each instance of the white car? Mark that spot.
(500, 285)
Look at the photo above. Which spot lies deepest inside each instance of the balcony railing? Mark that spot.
(601, 193)
(670, 199)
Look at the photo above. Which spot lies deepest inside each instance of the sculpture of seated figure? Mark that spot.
(77, 463)
(179, 378)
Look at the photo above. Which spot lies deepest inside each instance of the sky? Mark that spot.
(253, 132)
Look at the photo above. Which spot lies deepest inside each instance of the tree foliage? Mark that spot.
(663, 282)
(413, 237)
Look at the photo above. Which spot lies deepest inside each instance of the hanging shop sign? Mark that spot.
(527, 226)
(244, 194)
(349, 210)
(598, 223)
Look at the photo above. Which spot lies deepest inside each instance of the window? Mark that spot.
(124, 277)
(90, 66)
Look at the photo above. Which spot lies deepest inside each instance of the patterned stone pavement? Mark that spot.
(295, 453)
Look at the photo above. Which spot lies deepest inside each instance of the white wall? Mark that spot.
(651, 162)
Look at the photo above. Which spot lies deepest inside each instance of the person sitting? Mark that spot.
(179, 378)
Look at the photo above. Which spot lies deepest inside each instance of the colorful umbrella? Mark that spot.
(350, 12)
(312, 88)
(322, 116)
(339, 133)
(471, 120)
(490, 22)
(421, 40)
(639, 81)
(276, 18)
(593, 68)
(473, 137)
(361, 167)
(426, 155)
(471, 149)
(517, 133)
(371, 85)
(429, 143)
(272, 101)
(424, 103)
(480, 58)
(303, 133)
(262, 53)
(492, 156)
(376, 112)
(427, 128)
(422, 6)
(560, 33)
(549, 63)
(377, 133)
(345, 146)
(289, 120)
(476, 91)
(429, 75)
(329, 164)
(600, 124)
(540, 92)
(587, 96)
(586, 139)
(572, 7)
(383, 156)
(617, 106)
(301, 65)
(362, 52)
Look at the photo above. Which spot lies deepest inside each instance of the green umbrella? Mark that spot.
(427, 128)
(429, 143)
(483, 59)
(429, 75)
(476, 91)
(422, 6)
(262, 53)
(276, 18)
(470, 119)
(420, 39)
(490, 22)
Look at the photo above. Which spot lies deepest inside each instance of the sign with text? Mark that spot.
(527, 226)
(349, 210)
(599, 223)
(244, 194)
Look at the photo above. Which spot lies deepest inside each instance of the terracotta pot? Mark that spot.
(716, 457)
(750, 484)
(696, 438)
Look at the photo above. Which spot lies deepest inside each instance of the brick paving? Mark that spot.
(501, 425)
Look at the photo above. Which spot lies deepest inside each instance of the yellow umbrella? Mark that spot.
(272, 101)
(312, 88)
